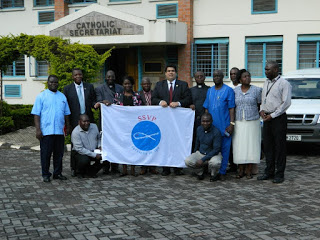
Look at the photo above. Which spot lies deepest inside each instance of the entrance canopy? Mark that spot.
(100, 25)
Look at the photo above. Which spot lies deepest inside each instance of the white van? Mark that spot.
(303, 114)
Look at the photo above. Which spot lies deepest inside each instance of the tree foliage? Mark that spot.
(61, 55)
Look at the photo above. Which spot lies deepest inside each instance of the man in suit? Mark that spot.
(146, 94)
(105, 94)
(81, 98)
(173, 93)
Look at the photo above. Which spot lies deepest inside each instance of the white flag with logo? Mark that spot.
(147, 135)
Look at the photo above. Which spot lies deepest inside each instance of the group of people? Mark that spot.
(222, 115)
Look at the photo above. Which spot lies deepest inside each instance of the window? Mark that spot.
(42, 3)
(121, 0)
(11, 3)
(45, 17)
(16, 69)
(42, 68)
(259, 50)
(83, 1)
(12, 90)
(308, 51)
(210, 55)
(264, 6)
(167, 10)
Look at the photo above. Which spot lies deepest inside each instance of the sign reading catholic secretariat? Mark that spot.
(97, 24)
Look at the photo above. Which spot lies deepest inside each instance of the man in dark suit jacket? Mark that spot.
(81, 99)
(174, 93)
(105, 94)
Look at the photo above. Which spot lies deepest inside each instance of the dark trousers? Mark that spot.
(83, 164)
(274, 140)
(51, 145)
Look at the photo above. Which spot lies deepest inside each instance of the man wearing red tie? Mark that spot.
(173, 93)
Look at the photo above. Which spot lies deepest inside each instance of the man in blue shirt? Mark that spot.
(207, 149)
(51, 112)
(220, 103)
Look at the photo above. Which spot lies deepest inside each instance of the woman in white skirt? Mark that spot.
(246, 139)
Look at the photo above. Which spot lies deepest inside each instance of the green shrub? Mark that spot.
(22, 117)
(6, 125)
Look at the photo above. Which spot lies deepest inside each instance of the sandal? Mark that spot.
(249, 176)
(239, 176)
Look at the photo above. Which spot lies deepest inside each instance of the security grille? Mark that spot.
(167, 10)
(46, 17)
(264, 5)
(12, 90)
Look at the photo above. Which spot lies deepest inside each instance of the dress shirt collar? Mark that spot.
(275, 79)
(76, 85)
(173, 83)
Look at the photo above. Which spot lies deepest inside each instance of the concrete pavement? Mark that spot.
(156, 207)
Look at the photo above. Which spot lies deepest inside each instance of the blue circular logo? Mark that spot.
(146, 135)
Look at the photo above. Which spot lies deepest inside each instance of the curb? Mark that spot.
(35, 148)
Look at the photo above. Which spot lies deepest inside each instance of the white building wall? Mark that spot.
(233, 19)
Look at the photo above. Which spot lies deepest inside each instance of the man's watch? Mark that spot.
(232, 123)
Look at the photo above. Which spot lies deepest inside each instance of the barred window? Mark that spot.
(308, 54)
(259, 53)
(12, 3)
(42, 68)
(42, 3)
(264, 6)
(209, 57)
(16, 69)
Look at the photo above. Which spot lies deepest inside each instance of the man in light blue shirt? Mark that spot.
(51, 112)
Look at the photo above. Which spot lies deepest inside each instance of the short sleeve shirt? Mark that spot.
(51, 107)
(218, 102)
(247, 103)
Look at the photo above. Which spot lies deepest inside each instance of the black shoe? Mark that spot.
(215, 177)
(73, 173)
(278, 180)
(200, 177)
(46, 179)
(165, 173)
(178, 172)
(60, 177)
(105, 171)
(264, 177)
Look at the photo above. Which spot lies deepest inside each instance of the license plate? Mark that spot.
(294, 138)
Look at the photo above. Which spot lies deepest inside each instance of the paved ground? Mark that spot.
(155, 207)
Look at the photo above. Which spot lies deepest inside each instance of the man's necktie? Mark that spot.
(81, 101)
(148, 98)
(170, 93)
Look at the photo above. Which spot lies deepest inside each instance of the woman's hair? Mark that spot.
(240, 72)
(128, 78)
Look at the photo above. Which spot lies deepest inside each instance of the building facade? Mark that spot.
(148, 34)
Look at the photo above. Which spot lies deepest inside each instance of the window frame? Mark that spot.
(12, 96)
(14, 71)
(309, 38)
(168, 16)
(264, 41)
(43, 23)
(13, 2)
(84, 2)
(211, 41)
(265, 12)
(47, 4)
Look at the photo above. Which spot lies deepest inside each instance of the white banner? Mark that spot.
(147, 135)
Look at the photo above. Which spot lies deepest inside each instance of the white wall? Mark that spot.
(233, 19)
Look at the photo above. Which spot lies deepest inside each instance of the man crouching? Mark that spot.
(86, 138)
(207, 149)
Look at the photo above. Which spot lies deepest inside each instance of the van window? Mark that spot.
(305, 88)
